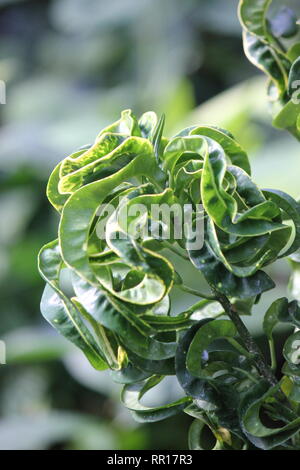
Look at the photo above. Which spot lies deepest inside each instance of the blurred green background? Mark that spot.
(70, 66)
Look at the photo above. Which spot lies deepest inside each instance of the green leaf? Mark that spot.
(261, 436)
(179, 146)
(226, 282)
(55, 197)
(203, 435)
(193, 386)
(200, 437)
(147, 124)
(164, 323)
(145, 292)
(81, 208)
(160, 367)
(275, 313)
(236, 270)
(64, 317)
(291, 349)
(294, 77)
(287, 118)
(222, 208)
(134, 332)
(292, 209)
(208, 333)
(102, 160)
(291, 388)
(132, 394)
(129, 374)
(103, 146)
(157, 136)
(232, 149)
(252, 14)
(294, 283)
(127, 125)
(294, 52)
(60, 312)
(272, 62)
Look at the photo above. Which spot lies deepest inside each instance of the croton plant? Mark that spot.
(118, 310)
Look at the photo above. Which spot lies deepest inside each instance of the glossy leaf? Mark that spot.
(272, 62)
(193, 386)
(287, 118)
(294, 77)
(200, 437)
(253, 16)
(232, 148)
(204, 337)
(291, 350)
(116, 317)
(132, 394)
(61, 313)
(81, 208)
(261, 436)
(276, 313)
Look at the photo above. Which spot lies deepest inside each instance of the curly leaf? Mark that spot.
(61, 313)
(291, 349)
(234, 151)
(133, 331)
(203, 338)
(272, 62)
(292, 209)
(226, 282)
(132, 394)
(201, 437)
(193, 386)
(127, 125)
(81, 208)
(275, 313)
(252, 15)
(261, 436)
(288, 117)
(294, 77)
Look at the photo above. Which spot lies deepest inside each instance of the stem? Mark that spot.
(199, 306)
(273, 355)
(189, 290)
(279, 44)
(249, 342)
(239, 347)
(247, 374)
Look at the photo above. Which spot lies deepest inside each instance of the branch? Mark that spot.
(249, 342)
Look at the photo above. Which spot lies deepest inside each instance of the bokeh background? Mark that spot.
(70, 66)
